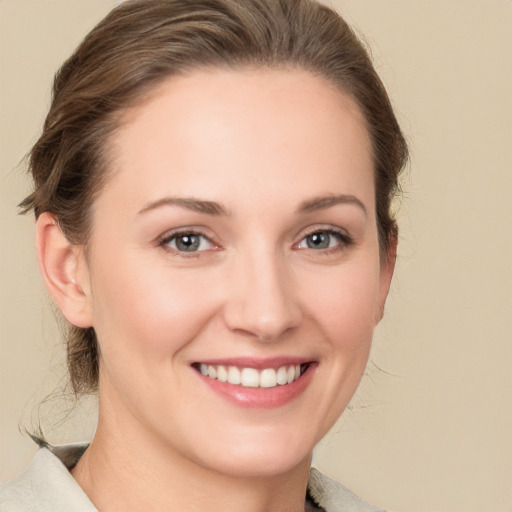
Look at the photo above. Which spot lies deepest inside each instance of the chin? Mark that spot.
(258, 464)
(265, 455)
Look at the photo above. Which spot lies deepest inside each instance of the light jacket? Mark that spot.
(46, 485)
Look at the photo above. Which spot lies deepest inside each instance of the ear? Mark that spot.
(64, 271)
(387, 267)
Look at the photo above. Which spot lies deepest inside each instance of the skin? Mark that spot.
(264, 146)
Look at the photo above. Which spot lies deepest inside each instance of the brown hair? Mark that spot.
(143, 42)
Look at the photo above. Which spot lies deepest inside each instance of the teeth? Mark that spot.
(250, 377)
(282, 375)
(234, 375)
(222, 374)
(290, 374)
(268, 378)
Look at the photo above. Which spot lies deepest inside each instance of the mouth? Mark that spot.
(257, 383)
(249, 377)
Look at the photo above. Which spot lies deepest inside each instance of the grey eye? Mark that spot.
(321, 240)
(318, 240)
(188, 242)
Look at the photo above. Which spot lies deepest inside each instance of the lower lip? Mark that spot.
(265, 398)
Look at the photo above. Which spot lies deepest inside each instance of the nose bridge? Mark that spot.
(263, 301)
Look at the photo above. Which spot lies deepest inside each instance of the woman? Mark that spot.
(212, 194)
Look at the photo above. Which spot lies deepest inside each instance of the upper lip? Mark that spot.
(256, 363)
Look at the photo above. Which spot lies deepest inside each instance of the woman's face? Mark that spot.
(236, 237)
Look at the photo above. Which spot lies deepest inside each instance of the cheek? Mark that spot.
(343, 306)
(346, 304)
(148, 314)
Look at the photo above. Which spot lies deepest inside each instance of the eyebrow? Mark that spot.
(196, 205)
(323, 202)
(213, 208)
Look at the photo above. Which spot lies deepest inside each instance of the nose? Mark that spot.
(262, 298)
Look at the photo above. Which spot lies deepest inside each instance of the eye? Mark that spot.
(323, 239)
(187, 242)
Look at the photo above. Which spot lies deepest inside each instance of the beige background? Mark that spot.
(433, 431)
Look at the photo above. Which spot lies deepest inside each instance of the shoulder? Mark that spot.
(46, 485)
(335, 497)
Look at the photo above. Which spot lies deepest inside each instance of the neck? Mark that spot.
(124, 470)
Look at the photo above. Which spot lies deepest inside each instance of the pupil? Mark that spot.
(318, 241)
(187, 243)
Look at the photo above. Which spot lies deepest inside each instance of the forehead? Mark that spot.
(211, 130)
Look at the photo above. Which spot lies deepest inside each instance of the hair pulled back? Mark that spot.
(143, 42)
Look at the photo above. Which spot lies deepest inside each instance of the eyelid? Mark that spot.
(345, 238)
(168, 236)
(314, 228)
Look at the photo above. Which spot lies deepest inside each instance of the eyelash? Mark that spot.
(167, 239)
(343, 241)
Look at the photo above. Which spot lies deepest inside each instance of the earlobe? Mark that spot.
(64, 272)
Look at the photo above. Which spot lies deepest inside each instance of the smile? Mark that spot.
(252, 377)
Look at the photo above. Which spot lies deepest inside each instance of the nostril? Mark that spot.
(267, 333)
(262, 302)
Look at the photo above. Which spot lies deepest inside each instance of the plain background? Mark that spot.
(431, 430)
